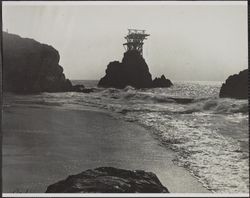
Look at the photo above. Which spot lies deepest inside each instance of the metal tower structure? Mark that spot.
(135, 40)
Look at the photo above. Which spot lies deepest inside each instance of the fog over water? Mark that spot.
(186, 42)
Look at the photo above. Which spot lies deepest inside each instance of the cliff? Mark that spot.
(132, 71)
(236, 86)
(30, 67)
(109, 180)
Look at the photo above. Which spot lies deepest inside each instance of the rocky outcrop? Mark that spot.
(132, 71)
(31, 67)
(236, 86)
(109, 180)
(162, 82)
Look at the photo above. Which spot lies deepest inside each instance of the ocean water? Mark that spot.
(209, 134)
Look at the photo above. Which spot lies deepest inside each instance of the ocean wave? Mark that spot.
(130, 99)
(219, 106)
(130, 93)
(193, 104)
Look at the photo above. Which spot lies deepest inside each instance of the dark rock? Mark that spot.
(236, 86)
(31, 67)
(109, 180)
(132, 71)
(162, 82)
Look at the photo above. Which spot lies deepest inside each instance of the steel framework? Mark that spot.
(135, 40)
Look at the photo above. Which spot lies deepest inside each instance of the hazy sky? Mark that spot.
(186, 42)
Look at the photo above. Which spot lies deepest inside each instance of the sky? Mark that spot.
(191, 41)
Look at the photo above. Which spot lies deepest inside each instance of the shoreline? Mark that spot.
(41, 147)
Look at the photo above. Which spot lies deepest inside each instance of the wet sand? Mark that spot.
(42, 145)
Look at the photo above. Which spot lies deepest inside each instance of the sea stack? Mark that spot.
(133, 70)
(236, 86)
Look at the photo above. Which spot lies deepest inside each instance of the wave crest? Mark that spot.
(218, 105)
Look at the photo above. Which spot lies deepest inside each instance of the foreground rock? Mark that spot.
(109, 180)
(32, 67)
(236, 86)
(132, 71)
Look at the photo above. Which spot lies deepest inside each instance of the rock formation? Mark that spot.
(132, 71)
(109, 180)
(32, 67)
(29, 66)
(236, 86)
(162, 82)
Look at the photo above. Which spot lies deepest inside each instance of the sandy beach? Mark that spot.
(42, 145)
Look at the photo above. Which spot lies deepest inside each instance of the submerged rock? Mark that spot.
(109, 180)
(236, 86)
(132, 71)
(162, 82)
